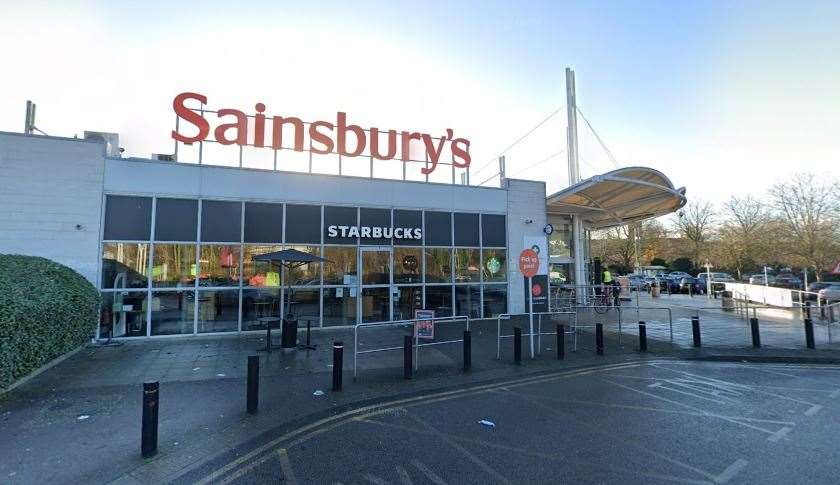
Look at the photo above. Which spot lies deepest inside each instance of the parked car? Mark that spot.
(679, 274)
(758, 279)
(788, 280)
(830, 294)
(718, 280)
(682, 285)
(637, 281)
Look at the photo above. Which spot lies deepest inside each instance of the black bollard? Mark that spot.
(599, 338)
(338, 365)
(149, 431)
(467, 350)
(408, 367)
(642, 337)
(561, 341)
(517, 345)
(808, 310)
(253, 390)
(809, 333)
(756, 336)
(695, 330)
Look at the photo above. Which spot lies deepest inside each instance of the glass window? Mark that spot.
(380, 218)
(408, 265)
(340, 306)
(439, 299)
(263, 222)
(176, 220)
(376, 267)
(341, 266)
(125, 265)
(493, 230)
(468, 300)
(438, 265)
(375, 304)
(308, 274)
(128, 218)
(305, 302)
(467, 265)
(173, 265)
(303, 224)
(343, 218)
(257, 304)
(219, 265)
(406, 300)
(218, 311)
(173, 312)
(561, 274)
(438, 228)
(466, 229)
(221, 221)
(260, 273)
(407, 219)
(560, 241)
(495, 300)
(124, 312)
(495, 265)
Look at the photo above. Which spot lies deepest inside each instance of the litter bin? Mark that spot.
(726, 301)
(289, 333)
(654, 290)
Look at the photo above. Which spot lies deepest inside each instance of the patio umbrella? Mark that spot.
(290, 259)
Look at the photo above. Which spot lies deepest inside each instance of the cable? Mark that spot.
(546, 159)
(597, 137)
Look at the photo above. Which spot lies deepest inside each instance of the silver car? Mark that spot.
(830, 294)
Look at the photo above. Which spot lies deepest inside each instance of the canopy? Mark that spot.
(290, 256)
(619, 197)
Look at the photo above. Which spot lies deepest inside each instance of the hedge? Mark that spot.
(46, 310)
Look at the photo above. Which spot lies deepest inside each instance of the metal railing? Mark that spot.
(416, 340)
(573, 324)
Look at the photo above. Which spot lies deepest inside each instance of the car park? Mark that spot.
(788, 280)
(830, 294)
(758, 279)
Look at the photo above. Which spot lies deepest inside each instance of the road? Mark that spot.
(656, 421)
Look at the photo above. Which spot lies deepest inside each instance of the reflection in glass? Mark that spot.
(407, 265)
(438, 265)
(468, 300)
(174, 265)
(260, 273)
(560, 241)
(259, 303)
(495, 300)
(125, 265)
(375, 304)
(305, 302)
(406, 300)
(219, 265)
(341, 266)
(495, 265)
(308, 274)
(218, 311)
(467, 265)
(173, 312)
(439, 299)
(340, 306)
(376, 267)
(124, 312)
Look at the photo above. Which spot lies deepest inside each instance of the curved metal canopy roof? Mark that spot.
(619, 197)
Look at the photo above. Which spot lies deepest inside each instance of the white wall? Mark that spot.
(768, 295)
(48, 185)
(525, 201)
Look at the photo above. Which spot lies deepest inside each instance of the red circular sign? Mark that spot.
(529, 263)
(536, 290)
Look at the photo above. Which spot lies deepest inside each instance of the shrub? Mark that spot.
(46, 310)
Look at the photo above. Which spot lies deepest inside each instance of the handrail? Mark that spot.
(506, 316)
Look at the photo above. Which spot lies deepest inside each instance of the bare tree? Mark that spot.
(743, 234)
(694, 223)
(808, 212)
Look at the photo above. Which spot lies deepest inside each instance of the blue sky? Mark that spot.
(724, 97)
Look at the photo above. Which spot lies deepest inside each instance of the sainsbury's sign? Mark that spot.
(324, 136)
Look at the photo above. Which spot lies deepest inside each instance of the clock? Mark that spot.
(548, 229)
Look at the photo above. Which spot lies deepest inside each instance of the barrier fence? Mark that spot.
(552, 316)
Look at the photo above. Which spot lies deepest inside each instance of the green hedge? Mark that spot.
(46, 310)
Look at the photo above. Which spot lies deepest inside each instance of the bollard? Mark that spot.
(253, 388)
(467, 350)
(599, 338)
(338, 365)
(808, 310)
(561, 342)
(809, 333)
(517, 345)
(642, 337)
(695, 330)
(149, 431)
(756, 337)
(408, 342)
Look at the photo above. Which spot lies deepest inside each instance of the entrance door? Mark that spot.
(375, 281)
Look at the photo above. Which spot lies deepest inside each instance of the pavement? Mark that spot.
(79, 422)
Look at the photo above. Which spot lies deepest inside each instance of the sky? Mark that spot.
(726, 98)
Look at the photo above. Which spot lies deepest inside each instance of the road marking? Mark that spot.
(779, 434)
(437, 480)
(731, 471)
(286, 467)
(813, 410)
(834, 394)
(403, 474)
(660, 386)
(374, 479)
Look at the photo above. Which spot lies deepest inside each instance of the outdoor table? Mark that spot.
(268, 321)
(308, 345)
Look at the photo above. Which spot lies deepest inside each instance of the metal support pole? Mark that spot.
(338, 365)
(531, 315)
(599, 339)
(809, 334)
(252, 392)
(467, 350)
(808, 309)
(408, 368)
(642, 337)
(756, 336)
(561, 341)
(695, 330)
(149, 431)
(517, 345)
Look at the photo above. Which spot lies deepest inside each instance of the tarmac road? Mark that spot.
(657, 421)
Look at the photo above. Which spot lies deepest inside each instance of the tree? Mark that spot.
(694, 223)
(617, 248)
(808, 212)
(743, 235)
